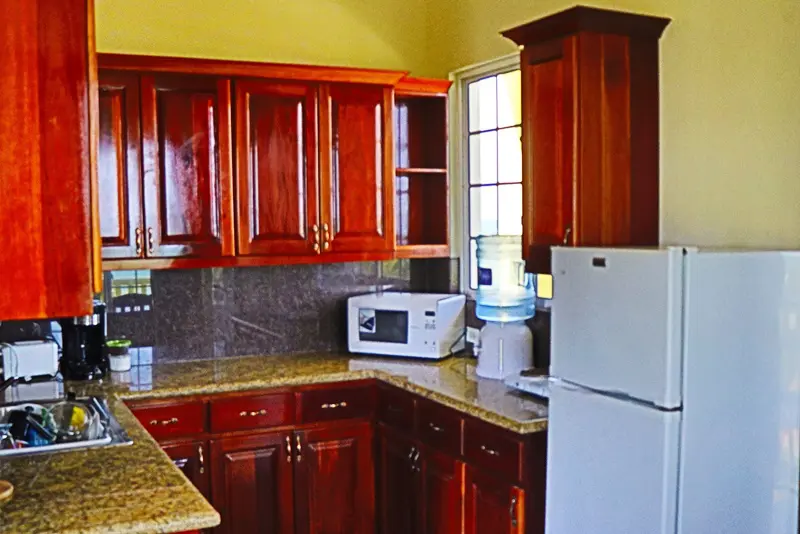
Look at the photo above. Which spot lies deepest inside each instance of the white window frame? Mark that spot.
(459, 157)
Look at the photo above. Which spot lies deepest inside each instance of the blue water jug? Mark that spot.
(505, 291)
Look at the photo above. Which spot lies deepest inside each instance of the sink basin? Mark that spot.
(106, 431)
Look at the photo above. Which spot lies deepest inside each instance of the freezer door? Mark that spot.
(616, 321)
(612, 465)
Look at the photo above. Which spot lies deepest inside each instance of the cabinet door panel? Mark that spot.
(119, 171)
(277, 167)
(442, 495)
(548, 83)
(335, 480)
(492, 505)
(192, 458)
(357, 168)
(252, 484)
(187, 166)
(398, 492)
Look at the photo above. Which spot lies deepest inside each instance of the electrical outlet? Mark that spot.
(472, 335)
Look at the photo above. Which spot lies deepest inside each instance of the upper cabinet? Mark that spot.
(188, 181)
(49, 266)
(589, 130)
(315, 177)
(357, 168)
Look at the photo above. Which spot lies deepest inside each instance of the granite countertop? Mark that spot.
(118, 489)
(136, 488)
(451, 382)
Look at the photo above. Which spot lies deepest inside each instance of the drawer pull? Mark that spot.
(490, 452)
(436, 428)
(253, 414)
(334, 405)
(164, 422)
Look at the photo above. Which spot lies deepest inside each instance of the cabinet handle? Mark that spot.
(200, 459)
(252, 414)
(315, 232)
(512, 511)
(326, 245)
(411, 454)
(298, 448)
(334, 405)
(490, 452)
(567, 232)
(315, 246)
(415, 462)
(314, 228)
(180, 463)
(435, 428)
(288, 450)
(150, 241)
(164, 422)
(138, 241)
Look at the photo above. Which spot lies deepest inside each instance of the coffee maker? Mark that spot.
(83, 354)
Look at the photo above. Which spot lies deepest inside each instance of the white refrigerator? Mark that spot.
(675, 394)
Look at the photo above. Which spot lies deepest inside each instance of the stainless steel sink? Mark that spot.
(109, 432)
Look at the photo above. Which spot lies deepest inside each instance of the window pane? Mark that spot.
(483, 104)
(483, 210)
(483, 158)
(473, 264)
(509, 147)
(509, 99)
(510, 209)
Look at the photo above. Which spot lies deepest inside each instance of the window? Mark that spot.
(489, 130)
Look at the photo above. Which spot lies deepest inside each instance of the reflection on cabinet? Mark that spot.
(119, 166)
(50, 244)
(492, 505)
(192, 457)
(186, 145)
(276, 142)
(589, 130)
(356, 163)
(442, 493)
(398, 487)
(253, 483)
(334, 479)
(421, 178)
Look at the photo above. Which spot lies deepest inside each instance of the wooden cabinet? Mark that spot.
(50, 245)
(186, 146)
(356, 163)
(492, 505)
(253, 483)
(334, 479)
(420, 489)
(276, 148)
(192, 457)
(589, 130)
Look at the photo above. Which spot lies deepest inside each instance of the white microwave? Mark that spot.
(417, 325)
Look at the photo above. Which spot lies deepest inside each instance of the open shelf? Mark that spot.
(421, 132)
(421, 205)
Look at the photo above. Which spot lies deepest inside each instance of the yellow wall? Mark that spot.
(363, 33)
(730, 107)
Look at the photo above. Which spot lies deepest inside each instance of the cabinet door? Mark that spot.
(442, 494)
(45, 159)
(356, 162)
(548, 86)
(276, 139)
(335, 482)
(252, 484)
(186, 143)
(492, 505)
(398, 484)
(192, 458)
(118, 166)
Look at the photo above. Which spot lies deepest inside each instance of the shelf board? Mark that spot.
(422, 251)
(420, 170)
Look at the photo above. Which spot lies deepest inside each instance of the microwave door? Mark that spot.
(383, 326)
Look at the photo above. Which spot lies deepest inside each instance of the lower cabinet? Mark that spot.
(191, 456)
(420, 489)
(492, 505)
(311, 481)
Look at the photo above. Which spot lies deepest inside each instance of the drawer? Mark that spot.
(439, 427)
(396, 408)
(251, 412)
(493, 449)
(337, 403)
(172, 419)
